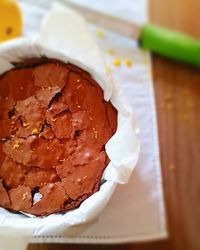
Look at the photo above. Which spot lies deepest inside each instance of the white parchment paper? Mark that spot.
(57, 40)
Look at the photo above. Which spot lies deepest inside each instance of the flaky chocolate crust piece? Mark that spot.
(54, 124)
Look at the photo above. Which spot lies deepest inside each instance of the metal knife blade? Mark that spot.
(116, 24)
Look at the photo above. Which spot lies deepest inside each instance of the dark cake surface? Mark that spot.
(54, 124)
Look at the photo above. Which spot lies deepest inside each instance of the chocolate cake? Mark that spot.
(54, 124)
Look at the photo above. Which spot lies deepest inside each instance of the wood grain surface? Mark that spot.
(177, 90)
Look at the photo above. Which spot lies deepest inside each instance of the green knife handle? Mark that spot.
(170, 44)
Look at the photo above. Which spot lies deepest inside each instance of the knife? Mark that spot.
(167, 43)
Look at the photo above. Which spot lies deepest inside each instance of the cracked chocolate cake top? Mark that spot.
(54, 126)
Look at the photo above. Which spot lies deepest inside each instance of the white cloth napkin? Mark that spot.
(136, 210)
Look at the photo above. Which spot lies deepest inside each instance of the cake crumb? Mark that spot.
(108, 69)
(79, 86)
(111, 52)
(73, 120)
(49, 88)
(16, 145)
(35, 131)
(128, 62)
(25, 124)
(117, 62)
(53, 119)
(79, 180)
(90, 118)
(78, 106)
(6, 98)
(24, 196)
(101, 33)
(78, 80)
(95, 133)
(21, 88)
(61, 160)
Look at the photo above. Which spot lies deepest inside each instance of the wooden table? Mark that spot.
(177, 90)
